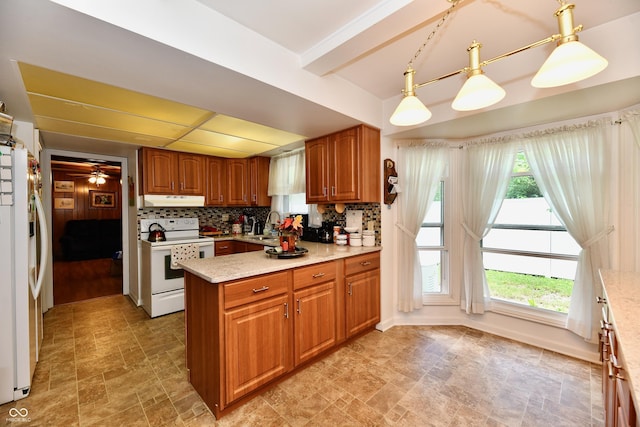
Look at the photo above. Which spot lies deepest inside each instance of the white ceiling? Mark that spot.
(311, 68)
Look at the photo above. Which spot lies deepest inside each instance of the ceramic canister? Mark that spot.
(368, 238)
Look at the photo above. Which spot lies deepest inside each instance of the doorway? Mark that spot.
(86, 227)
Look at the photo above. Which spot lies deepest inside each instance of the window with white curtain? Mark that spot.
(287, 183)
(529, 257)
(432, 247)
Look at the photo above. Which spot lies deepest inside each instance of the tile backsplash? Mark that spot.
(212, 216)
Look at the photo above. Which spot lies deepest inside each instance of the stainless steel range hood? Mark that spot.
(154, 200)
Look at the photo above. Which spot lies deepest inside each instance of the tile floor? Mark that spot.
(104, 362)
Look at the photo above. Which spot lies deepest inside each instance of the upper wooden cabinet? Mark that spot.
(248, 182)
(259, 181)
(344, 166)
(237, 182)
(216, 178)
(171, 172)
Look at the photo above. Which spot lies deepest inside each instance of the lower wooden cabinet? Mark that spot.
(619, 410)
(245, 334)
(362, 287)
(228, 247)
(314, 321)
(257, 345)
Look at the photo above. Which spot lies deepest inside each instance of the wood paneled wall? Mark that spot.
(82, 208)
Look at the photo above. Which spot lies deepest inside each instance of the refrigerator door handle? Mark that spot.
(44, 248)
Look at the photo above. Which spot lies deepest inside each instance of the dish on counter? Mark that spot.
(284, 255)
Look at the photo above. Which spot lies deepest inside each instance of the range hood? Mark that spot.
(154, 200)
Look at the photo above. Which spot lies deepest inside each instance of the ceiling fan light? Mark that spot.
(92, 179)
(100, 180)
(569, 62)
(411, 111)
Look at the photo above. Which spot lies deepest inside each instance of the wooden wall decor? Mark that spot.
(390, 179)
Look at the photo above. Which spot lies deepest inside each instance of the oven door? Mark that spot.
(163, 277)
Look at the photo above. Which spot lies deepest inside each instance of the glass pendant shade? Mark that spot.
(569, 62)
(410, 111)
(92, 179)
(100, 180)
(479, 91)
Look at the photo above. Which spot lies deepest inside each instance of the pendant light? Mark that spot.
(410, 111)
(478, 91)
(571, 61)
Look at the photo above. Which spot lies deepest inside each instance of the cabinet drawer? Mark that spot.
(316, 273)
(360, 263)
(224, 247)
(254, 289)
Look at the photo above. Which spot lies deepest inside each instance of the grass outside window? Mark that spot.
(534, 291)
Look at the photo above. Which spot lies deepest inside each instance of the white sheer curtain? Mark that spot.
(421, 166)
(286, 176)
(486, 169)
(633, 119)
(571, 166)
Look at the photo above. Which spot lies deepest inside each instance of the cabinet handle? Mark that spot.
(286, 310)
(262, 289)
(610, 369)
(171, 185)
(299, 309)
(365, 263)
(333, 190)
(221, 198)
(324, 191)
(315, 276)
(244, 197)
(224, 247)
(350, 288)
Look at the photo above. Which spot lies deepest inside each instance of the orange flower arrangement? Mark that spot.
(291, 226)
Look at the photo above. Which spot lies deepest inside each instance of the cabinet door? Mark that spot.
(344, 166)
(258, 345)
(159, 171)
(191, 174)
(237, 182)
(259, 181)
(315, 320)
(317, 170)
(363, 301)
(216, 180)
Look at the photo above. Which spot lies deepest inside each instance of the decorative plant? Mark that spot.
(291, 226)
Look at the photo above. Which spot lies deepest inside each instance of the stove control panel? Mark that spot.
(170, 224)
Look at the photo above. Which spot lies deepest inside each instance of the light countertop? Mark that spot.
(622, 289)
(238, 266)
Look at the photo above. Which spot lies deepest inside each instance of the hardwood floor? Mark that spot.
(81, 280)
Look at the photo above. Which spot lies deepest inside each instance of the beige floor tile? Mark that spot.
(105, 362)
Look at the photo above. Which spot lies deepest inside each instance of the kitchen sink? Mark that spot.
(264, 239)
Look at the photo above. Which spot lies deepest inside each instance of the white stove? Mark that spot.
(162, 287)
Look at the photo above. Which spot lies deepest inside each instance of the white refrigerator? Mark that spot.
(23, 254)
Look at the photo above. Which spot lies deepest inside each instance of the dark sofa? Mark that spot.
(85, 239)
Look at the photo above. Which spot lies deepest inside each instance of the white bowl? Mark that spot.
(351, 229)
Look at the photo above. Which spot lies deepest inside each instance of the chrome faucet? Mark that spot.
(267, 223)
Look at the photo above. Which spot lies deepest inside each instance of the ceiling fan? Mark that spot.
(97, 176)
